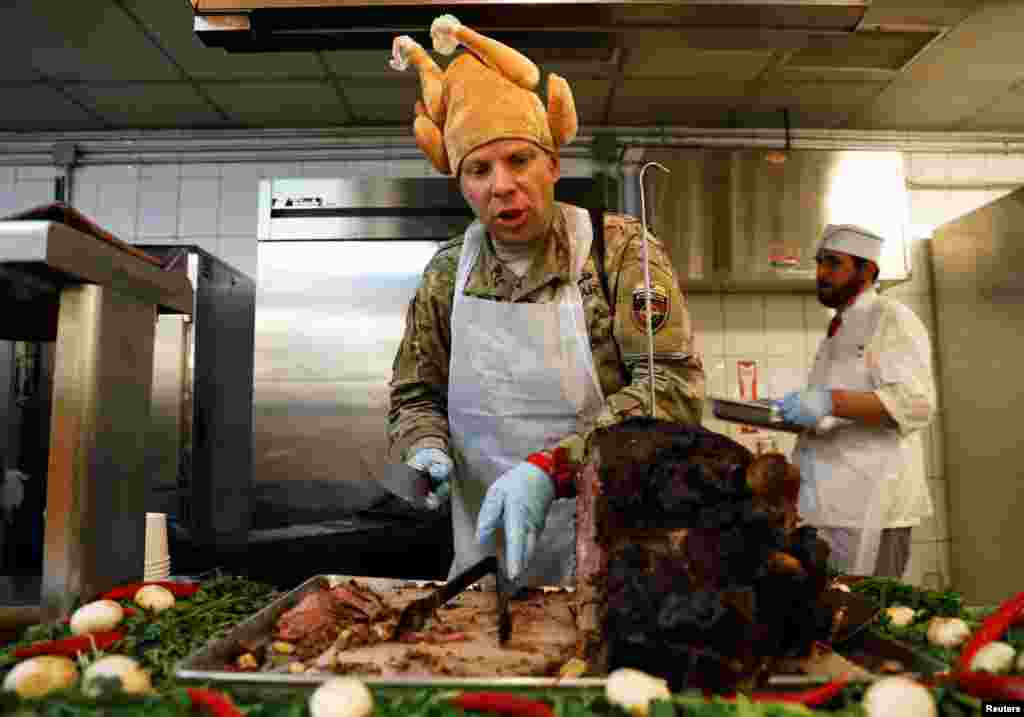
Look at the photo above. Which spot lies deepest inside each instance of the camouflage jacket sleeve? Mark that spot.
(418, 414)
(679, 385)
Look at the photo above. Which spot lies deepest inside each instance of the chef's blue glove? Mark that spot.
(438, 465)
(522, 497)
(807, 407)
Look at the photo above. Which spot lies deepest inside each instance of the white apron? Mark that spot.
(521, 378)
(850, 471)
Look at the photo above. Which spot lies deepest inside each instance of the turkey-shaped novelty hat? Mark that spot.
(485, 94)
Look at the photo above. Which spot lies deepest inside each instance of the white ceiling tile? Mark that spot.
(171, 23)
(362, 63)
(1005, 114)
(88, 40)
(692, 63)
(703, 91)
(383, 101)
(815, 94)
(167, 105)
(112, 57)
(869, 49)
(296, 103)
(591, 97)
(38, 107)
(930, 105)
(918, 12)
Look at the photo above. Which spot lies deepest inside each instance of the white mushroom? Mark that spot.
(154, 597)
(994, 657)
(39, 675)
(341, 697)
(132, 678)
(900, 615)
(898, 697)
(947, 631)
(97, 616)
(633, 690)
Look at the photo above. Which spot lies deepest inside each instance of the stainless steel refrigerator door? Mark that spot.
(329, 318)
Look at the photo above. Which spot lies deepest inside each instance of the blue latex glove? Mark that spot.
(522, 497)
(438, 465)
(807, 407)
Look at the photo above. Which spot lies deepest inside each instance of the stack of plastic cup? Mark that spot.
(158, 558)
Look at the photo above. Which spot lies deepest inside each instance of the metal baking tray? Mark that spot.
(205, 663)
(761, 412)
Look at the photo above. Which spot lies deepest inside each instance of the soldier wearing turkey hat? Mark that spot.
(521, 339)
(869, 392)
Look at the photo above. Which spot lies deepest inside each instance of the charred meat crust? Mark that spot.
(691, 562)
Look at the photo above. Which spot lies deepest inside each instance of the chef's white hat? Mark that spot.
(852, 239)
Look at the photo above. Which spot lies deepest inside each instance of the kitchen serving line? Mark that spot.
(949, 682)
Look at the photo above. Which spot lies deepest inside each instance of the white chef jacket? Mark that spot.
(847, 466)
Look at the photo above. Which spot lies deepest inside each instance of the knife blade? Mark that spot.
(851, 613)
(505, 589)
(407, 483)
(415, 615)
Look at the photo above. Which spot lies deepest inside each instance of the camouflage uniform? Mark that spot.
(419, 385)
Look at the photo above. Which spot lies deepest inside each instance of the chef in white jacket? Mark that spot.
(869, 392)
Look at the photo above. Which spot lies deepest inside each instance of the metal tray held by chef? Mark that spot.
(762, 412)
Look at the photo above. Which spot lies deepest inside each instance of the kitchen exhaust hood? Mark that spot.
(305, 25)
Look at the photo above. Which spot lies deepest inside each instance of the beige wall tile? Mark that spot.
(159, 171)
(241, 253)
(201, 170)
(273, 170)
(930, 168)
(158, 206)
(36, 174)
(715, 375)
(33, 193)
(706, 313)
(200, 205)
(784, 325)
(744, 325)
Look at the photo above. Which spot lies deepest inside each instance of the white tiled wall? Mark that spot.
(214, 206)
(211, 205)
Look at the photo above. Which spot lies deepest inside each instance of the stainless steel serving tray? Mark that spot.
(205, 663)
(761, 413)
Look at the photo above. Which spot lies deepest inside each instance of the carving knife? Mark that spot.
(411, 485)
(415, 615)
(505, 588)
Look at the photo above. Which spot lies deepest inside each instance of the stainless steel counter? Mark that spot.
(98, 301)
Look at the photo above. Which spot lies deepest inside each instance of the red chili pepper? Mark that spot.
(992, 687)
(213, 702)
(502, 703)
(809, 698)
(992, 628)
(70, 646)
(127, 592)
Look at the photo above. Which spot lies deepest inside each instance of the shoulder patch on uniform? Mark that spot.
(660, 307)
